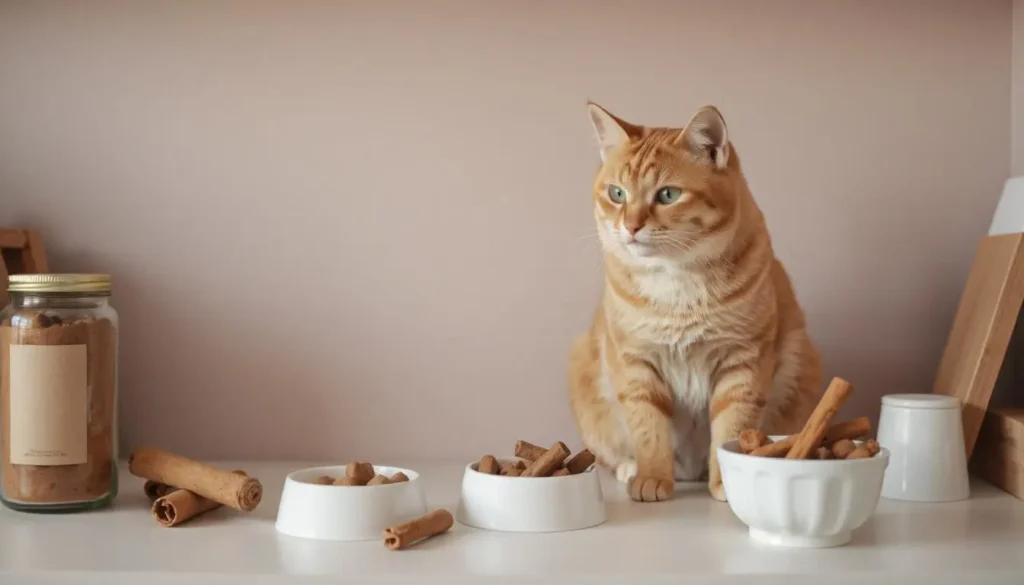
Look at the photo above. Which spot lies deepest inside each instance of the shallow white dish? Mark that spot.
(333, 512)
(530, 504)
(801, 503)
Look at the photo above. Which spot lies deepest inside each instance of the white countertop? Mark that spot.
(690, 538)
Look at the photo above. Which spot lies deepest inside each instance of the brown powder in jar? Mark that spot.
(90, 481)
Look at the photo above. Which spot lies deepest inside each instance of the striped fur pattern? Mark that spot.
(698, 334)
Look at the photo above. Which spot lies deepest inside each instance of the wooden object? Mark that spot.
(999, 457)
(987, 313)
(21, 252)
(982, 328)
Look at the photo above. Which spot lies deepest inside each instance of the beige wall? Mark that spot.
(361, 228)
(1018, 88)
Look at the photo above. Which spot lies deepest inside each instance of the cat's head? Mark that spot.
(669, 193)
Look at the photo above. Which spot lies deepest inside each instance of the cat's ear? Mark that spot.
(706, 138)
(611, 132)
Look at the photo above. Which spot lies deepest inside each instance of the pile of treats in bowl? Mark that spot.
(819, 439)
(535, 461)
(360, 473)
(837, 443)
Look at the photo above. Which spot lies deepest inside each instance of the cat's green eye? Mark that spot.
(616, 194)
(668, 195)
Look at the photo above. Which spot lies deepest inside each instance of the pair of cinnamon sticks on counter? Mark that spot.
(181, 489)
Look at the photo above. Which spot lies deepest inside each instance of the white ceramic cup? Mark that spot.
(924, 434)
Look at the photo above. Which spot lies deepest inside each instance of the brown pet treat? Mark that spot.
(823, 453)
(360, 472)
(488, 464)
(560, 472)
(155, 490)
(379, 480)
(413, 531)
(851, 429)
(507, 465)
(872, 446)
(860, 452)
(323, 480)
(512, 472)
(179, 506)
(547, 462)
(399, 477)
(579, 462)
(528, 451)
(751, 439)
(347, 481)
(842, 448)
(226, 487)
(831, 401)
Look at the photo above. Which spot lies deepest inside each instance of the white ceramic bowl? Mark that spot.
(801, 503)
(334, 512)
(530, 504)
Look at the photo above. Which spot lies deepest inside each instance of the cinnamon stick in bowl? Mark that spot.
(814, 431)
(222, 486)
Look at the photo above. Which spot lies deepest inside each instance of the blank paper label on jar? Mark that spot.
(49, 410)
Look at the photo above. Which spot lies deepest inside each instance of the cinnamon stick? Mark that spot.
(547, 462)
(579, 462)
(809, 438)
(178, 506)
(851, 429)
(225, 487)
(155, 490)
(777, 449)
(426, 526)
(528, 451)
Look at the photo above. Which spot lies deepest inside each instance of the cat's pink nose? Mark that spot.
(633, 229)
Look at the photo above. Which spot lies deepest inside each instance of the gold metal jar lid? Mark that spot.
(59, 283)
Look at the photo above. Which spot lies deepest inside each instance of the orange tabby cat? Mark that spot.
(698, 334)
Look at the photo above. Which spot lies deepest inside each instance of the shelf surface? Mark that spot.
(691, 538)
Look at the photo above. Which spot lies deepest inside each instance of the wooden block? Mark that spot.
(21, 251)
(999, 453)
(982, 328)
(33, 255)
(12, 239)
(5, 297)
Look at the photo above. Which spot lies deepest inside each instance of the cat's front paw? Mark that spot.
(717, 490)
(650, 489)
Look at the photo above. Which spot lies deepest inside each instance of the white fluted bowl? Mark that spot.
(337, 512)
(530, 504)
(801, 503)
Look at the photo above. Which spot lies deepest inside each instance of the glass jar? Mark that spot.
(58, 393)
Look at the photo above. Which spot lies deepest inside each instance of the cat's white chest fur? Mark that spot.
(687, 374)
